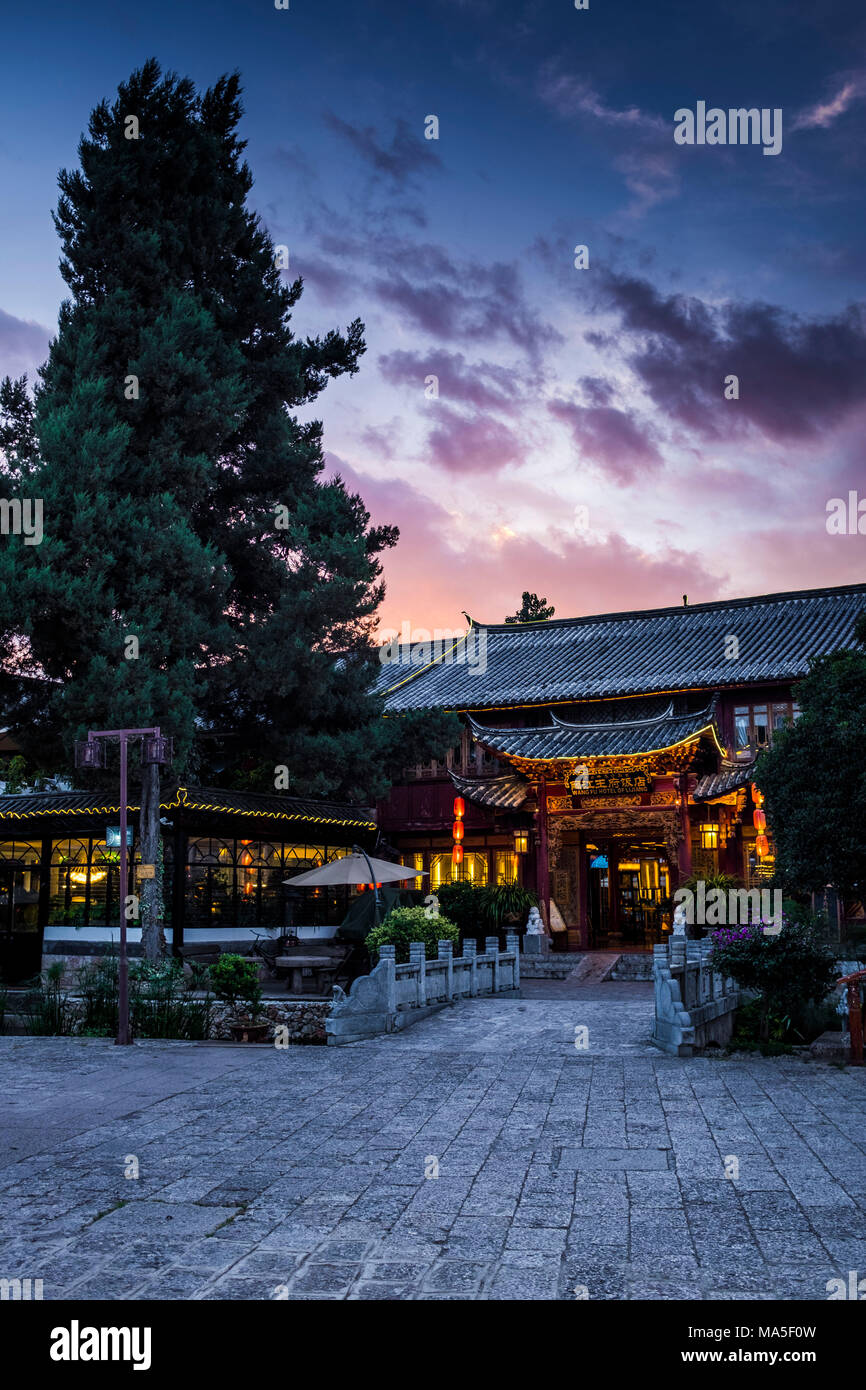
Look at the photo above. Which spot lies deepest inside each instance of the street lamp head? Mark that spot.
(157, 749)
(89, 753)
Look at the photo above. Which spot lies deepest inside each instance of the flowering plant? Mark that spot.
(785, 970)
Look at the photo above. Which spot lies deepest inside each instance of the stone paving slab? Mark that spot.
(480, 1155)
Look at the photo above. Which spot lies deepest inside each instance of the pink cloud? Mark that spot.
(824, 113)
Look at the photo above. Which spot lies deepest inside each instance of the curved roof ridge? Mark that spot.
(710, 605)
(666, 713)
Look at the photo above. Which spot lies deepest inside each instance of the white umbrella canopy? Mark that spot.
(355, 868)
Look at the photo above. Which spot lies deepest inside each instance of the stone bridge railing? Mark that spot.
(395, 996)
(694, 1004)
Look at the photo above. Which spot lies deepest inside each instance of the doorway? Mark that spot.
(20, 933)
(628, 886)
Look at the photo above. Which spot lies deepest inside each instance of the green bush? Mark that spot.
(477, 911)
(97, 985)
(50, 1011)
(159, 1005)
(788, 971)
(406, 924)
(466, 905)
(235, 981)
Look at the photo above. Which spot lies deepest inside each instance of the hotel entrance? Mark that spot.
(628, 886)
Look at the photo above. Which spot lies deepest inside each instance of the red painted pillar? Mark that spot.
(684, 852)
(613, 888)
(581, 860)
(542, 864)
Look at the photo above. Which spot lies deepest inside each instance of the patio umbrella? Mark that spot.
(357, 867)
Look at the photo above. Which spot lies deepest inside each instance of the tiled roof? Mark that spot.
(272, 807)
(720, 783)
(506, 793)
(603, 740)
(616, 654)
(277, 807)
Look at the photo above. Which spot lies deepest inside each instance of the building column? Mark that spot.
(684, 851)
(582, 869)
(613, 888)
(178, 887)
(44, 905)
(542, 865)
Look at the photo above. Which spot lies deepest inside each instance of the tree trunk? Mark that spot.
(151, 907)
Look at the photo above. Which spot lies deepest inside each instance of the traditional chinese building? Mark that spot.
(225, 858)
(605, 759)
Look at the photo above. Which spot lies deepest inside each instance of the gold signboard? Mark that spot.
(614, 783)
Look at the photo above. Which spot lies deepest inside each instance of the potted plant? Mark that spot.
(508, 905)
(235, 981)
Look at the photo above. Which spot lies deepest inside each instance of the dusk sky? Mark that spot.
(581, 444)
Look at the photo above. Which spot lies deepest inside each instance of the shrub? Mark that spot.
(466, 905)
(50, 1011)
(235, 980)
(405, 924)
(159, 1005)
(787, 971)
(97, 985)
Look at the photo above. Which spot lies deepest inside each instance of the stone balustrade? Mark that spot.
(694, 1004)
(395, 996)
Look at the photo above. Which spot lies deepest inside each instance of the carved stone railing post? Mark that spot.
(388, 954)
(469, 953)
(491, 948)
(446, 953)
(418, 960)
(512, 943)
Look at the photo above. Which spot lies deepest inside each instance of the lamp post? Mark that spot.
(155, 749)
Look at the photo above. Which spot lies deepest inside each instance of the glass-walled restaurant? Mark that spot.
(225, 859)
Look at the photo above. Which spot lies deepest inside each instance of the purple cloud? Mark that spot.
(468, 444)
(408, 154)
(483, 385)
(798, 376)
(609, 437)
(23, 346)
(460, 302)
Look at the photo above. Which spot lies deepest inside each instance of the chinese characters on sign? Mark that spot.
(585, 783)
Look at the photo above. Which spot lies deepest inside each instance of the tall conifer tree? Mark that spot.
(196, 572)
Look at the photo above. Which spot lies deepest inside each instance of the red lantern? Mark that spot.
(757, 796)
(458, 830)
(459, 808)
(457, 854)
(762, 846)
(760, 820)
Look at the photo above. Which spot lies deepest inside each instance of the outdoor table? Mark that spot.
(298, 964)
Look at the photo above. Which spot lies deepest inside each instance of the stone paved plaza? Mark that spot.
(301, 1173)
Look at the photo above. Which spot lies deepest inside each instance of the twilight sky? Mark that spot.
(580, 444)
